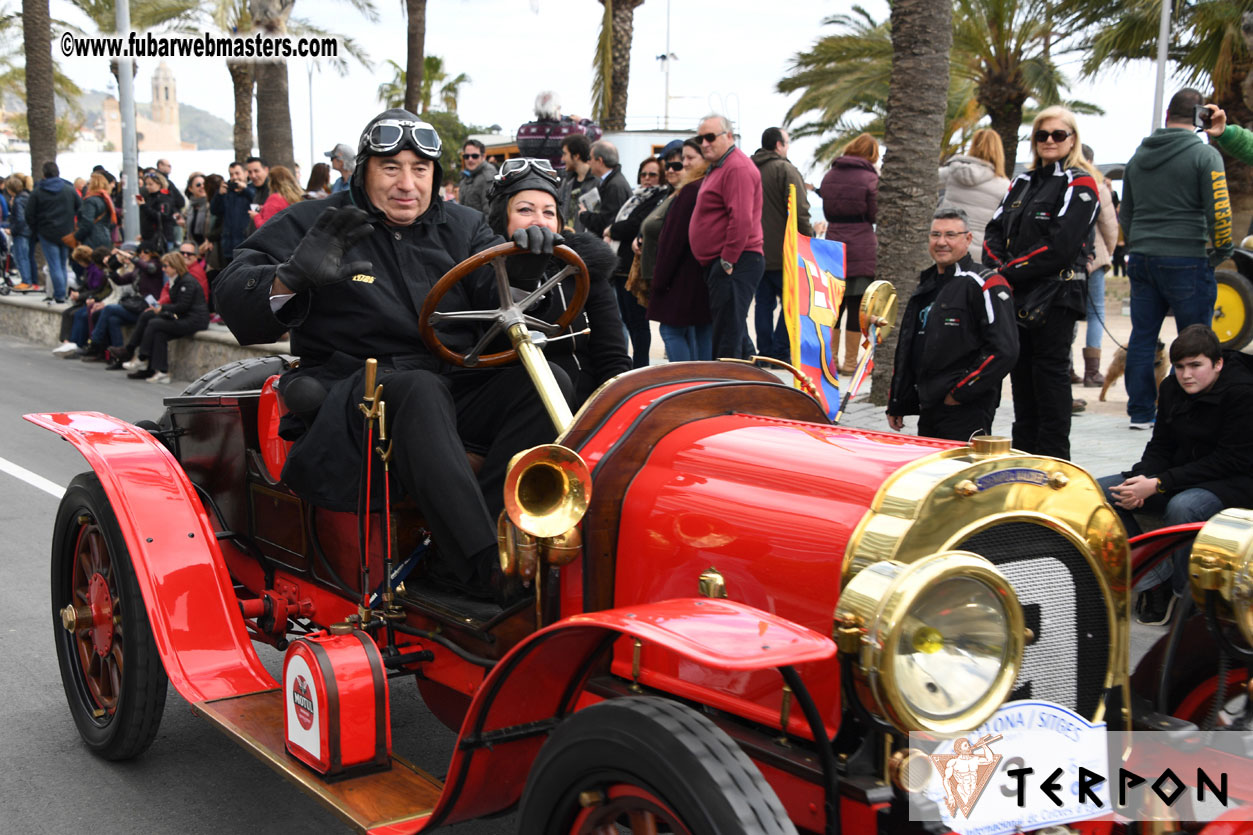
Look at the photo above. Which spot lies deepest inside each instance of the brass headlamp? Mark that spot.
(941, 640)
(1222, 561)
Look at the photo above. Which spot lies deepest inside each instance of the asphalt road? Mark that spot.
(193, 779)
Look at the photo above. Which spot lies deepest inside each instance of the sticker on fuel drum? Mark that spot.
(302, 707)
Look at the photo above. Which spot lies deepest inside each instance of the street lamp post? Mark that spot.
(130, 149)
(1159, 90)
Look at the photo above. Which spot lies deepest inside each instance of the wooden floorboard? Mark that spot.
(255, 721)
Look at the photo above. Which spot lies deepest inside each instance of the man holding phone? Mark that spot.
(1176, 218)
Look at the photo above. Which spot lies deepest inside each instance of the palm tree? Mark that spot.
(1206, 45)
(41, 114)
(921, 33)
(273, 113)
(432, 73)
(611, 66)
(451, 91)
(415, 52)
(392, 93)
(1000, 59)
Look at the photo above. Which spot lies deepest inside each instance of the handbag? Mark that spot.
(1033, 305)
(133, 303)
(68, 240)
(635, 284)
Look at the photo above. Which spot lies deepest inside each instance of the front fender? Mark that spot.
(187, 590)
(540, 680)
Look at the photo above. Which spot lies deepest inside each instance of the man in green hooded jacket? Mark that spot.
(1176, 216)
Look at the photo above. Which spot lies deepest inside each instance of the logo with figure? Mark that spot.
(965, 772)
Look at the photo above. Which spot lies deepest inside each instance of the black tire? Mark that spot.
(1233, 310)
(116, 699)
(652, 756)
(241, 375)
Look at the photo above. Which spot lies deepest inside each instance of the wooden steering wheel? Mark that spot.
(510, 312)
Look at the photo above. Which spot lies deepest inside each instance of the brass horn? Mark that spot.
(878, 307)
(547, 490)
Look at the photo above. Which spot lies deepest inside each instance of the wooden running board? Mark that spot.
(396, 801)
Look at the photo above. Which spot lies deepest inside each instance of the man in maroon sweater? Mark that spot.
(725, 235)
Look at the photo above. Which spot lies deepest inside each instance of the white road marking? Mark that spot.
(33, 479)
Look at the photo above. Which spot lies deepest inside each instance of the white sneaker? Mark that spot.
(161, 378)
(1142, 426)
(65, 350)
(133, 364)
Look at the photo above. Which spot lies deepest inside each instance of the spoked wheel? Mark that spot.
(114, 681)
(646, 765)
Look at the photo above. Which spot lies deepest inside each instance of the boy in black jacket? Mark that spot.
(958, 340)
(1199, 460)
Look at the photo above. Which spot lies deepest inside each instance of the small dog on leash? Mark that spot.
(1118, 367)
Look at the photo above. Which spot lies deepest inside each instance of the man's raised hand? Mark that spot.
(318, 259)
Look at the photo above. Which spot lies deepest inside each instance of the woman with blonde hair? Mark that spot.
(975, 182)
(17, 187)
(850, 201)
(97, 216)
(1039, 239)
(285, 191)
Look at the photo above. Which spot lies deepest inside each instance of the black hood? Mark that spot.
(357, 182)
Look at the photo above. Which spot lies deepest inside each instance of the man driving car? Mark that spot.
(347, 276)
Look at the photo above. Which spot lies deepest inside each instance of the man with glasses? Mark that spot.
(476, 176)
(958, 340)
(777, 173)
(725, 235)
(1176, 218)
(347, 276)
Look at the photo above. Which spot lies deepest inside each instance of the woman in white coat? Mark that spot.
(975, 182)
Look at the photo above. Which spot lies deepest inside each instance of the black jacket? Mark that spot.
(52, 208)
(334, 329)
(625, 231)
(187, 302)
(594, 358)
(970, 339)
(1202, 440)
(614, 191)
(1045, 225)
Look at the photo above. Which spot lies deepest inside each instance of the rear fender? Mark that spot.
(539, 682)
(187, 590)
(1150, 548)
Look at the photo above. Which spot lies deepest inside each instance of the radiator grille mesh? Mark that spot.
(1062, 601)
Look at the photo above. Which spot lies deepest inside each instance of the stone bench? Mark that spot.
(27, 316)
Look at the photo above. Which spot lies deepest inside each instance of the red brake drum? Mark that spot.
(338, 717)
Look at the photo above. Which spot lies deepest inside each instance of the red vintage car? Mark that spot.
(740, 610)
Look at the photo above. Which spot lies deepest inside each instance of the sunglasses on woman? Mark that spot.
(388, 134)
(512, 170)
(1057, 136)
(674, 166)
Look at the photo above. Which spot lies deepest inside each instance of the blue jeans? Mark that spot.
(689, 342)
(772, 338)
(1191, 505)
(56, 255)
(1160, 283)
(78, 333)
(24, 257)
(109, 325)
(1096, 308)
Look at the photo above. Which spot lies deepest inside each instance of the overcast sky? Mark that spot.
(728, 60)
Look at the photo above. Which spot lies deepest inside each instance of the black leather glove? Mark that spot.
(537, 240)
(318, 259)
(538, 243)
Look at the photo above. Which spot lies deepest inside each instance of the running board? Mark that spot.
(392, 802)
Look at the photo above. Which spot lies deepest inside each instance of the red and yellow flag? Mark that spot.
(813, 287)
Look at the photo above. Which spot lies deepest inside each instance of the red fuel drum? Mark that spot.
(337, 712)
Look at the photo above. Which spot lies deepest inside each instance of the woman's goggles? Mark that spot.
(512, 170)
(388, 135)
